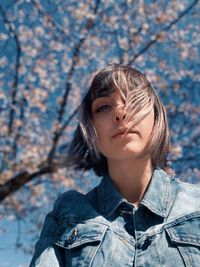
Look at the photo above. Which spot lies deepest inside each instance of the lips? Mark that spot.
(121, 132)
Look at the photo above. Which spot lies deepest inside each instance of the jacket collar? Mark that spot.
(157, 196)
(109, 197)
(155, 199)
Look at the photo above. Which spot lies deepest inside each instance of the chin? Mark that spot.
(131, 149)
(125, 155)
(125, 151)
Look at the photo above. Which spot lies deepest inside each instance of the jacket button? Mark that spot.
(72, 238)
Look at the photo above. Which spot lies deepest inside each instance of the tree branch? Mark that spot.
(16, 76)
(56, 26)
(165, 29)
(89, 25)
(20, 179)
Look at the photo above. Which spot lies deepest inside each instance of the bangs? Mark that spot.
(103, 85)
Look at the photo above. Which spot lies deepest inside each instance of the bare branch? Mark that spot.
(16, 75)
(89, 25)
(19, 130)
(55, 25)
(165, 29)
(20, 179)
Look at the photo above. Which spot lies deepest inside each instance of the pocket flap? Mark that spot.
(186, 232)
(75, 234)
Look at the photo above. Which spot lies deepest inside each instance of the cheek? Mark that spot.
(101, 127)
(102, 136)
(147, 126)
(99, 132)
(151, 124)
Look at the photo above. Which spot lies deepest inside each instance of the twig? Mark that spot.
(16, 76)
(20, 179)
(165, 29)
(68, 88)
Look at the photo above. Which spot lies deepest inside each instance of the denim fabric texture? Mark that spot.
(101, 229)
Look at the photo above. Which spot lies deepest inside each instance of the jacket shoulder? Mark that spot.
(73, 205)
(186, 190)
(185, 198)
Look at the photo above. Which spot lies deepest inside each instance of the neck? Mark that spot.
(131, 177)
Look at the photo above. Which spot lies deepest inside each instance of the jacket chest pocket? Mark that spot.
(186, 237)
(80, 242)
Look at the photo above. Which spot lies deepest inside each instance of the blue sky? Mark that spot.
(9, 255)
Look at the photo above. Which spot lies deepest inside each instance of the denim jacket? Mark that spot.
(101, 228)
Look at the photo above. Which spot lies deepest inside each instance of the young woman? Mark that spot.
(138, 215)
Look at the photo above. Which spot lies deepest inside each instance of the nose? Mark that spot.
(119, 114)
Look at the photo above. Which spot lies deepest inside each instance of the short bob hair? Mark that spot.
(139, 98)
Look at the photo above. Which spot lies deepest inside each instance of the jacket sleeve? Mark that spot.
(46, 253)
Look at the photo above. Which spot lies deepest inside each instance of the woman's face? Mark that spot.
(108, 119)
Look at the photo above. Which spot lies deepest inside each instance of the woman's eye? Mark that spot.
(103, 108)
